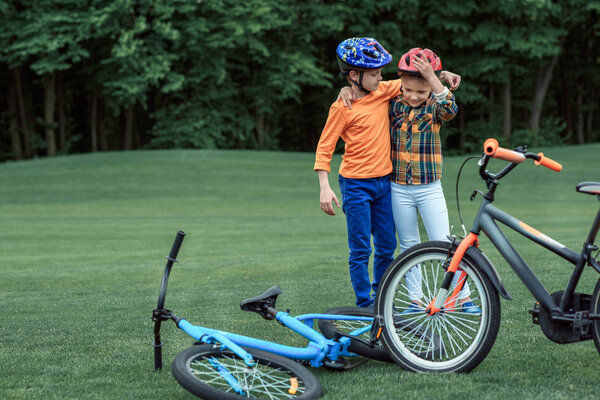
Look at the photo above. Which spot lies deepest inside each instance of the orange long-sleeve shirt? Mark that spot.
(366, 132)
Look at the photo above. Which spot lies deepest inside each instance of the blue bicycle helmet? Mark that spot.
(361, 54)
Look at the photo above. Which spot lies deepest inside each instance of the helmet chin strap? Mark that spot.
(359, 83)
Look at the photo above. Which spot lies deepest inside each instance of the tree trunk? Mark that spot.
(590, 118)
(49, 109)
(590, 114)
(22, 113)
(507, 108)
(565, 99)
(101, 129)
(62, 135)
(492, 97)
(94, 121)
(461, 129)
(542, 83)
(128, 134)
(579, 126)
(13, 125)
(260, 129)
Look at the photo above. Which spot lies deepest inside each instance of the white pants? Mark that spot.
(428, 201)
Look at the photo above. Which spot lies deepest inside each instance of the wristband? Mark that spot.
(441, 96)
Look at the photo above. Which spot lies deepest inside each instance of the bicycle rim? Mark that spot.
(208, 372)
(453, 340)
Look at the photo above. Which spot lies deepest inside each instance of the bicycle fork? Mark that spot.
(442, 300)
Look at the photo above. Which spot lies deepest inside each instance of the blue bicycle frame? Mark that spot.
(318, 350)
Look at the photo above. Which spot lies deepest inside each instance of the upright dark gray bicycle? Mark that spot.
(466, 333)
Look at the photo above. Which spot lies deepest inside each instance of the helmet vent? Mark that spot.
(370, 54)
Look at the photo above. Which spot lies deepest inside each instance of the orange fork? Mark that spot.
(442, 299)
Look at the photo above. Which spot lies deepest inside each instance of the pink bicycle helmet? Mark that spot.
(405, 65)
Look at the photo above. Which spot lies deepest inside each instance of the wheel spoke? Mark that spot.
(262, 380)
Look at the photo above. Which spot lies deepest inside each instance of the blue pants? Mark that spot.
(368, 208)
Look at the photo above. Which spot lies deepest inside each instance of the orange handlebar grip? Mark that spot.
(548, 163)
(490, 146)
(492, 149)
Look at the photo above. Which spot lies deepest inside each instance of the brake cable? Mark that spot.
(457, 200)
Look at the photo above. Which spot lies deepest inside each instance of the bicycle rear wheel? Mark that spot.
(211, 373)
(459, 336)
(595, 309)
(329, 328)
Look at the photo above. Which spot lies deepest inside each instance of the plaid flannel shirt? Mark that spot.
(415, 138)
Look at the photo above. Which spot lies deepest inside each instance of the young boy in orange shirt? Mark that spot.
(364, 174)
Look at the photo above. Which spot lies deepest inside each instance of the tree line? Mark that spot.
(99, 75)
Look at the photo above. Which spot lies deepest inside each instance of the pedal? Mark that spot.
(535, 314)
(581, 325)
(376, 330)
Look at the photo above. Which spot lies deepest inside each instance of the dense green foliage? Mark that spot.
(93, 75)
(82, 260)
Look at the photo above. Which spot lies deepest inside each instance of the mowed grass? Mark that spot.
(83, 240)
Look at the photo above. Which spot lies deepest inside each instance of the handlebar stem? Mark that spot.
(491, 180)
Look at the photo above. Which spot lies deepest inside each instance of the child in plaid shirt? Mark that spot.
(416, 117)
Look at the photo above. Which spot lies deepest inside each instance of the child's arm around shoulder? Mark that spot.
(391, 89)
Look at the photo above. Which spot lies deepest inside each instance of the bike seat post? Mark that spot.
(595, 227)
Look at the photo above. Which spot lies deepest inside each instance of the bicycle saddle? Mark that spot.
(589, 188)
(261, 303)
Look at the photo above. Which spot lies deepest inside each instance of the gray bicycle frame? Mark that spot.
(485, 221)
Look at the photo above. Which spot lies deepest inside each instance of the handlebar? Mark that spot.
(492, 149)
(171, 258)
(160, 314)
(548, 163)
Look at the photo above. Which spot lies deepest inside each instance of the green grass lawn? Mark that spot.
(83, 240)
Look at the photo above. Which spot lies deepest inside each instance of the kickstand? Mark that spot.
(343, 365)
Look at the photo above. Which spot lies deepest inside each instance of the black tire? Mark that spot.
(329, 327)
(595, 309)
(458, 340)
(279, 377)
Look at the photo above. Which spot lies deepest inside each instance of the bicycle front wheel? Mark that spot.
(212, 373)
(457, 338)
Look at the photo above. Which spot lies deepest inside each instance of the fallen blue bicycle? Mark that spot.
(224, 365)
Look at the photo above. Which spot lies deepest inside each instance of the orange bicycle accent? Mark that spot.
(493, 149)
(467, 242)
(460, 251)
(293, 386)
(548, 163)
(449, 303)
